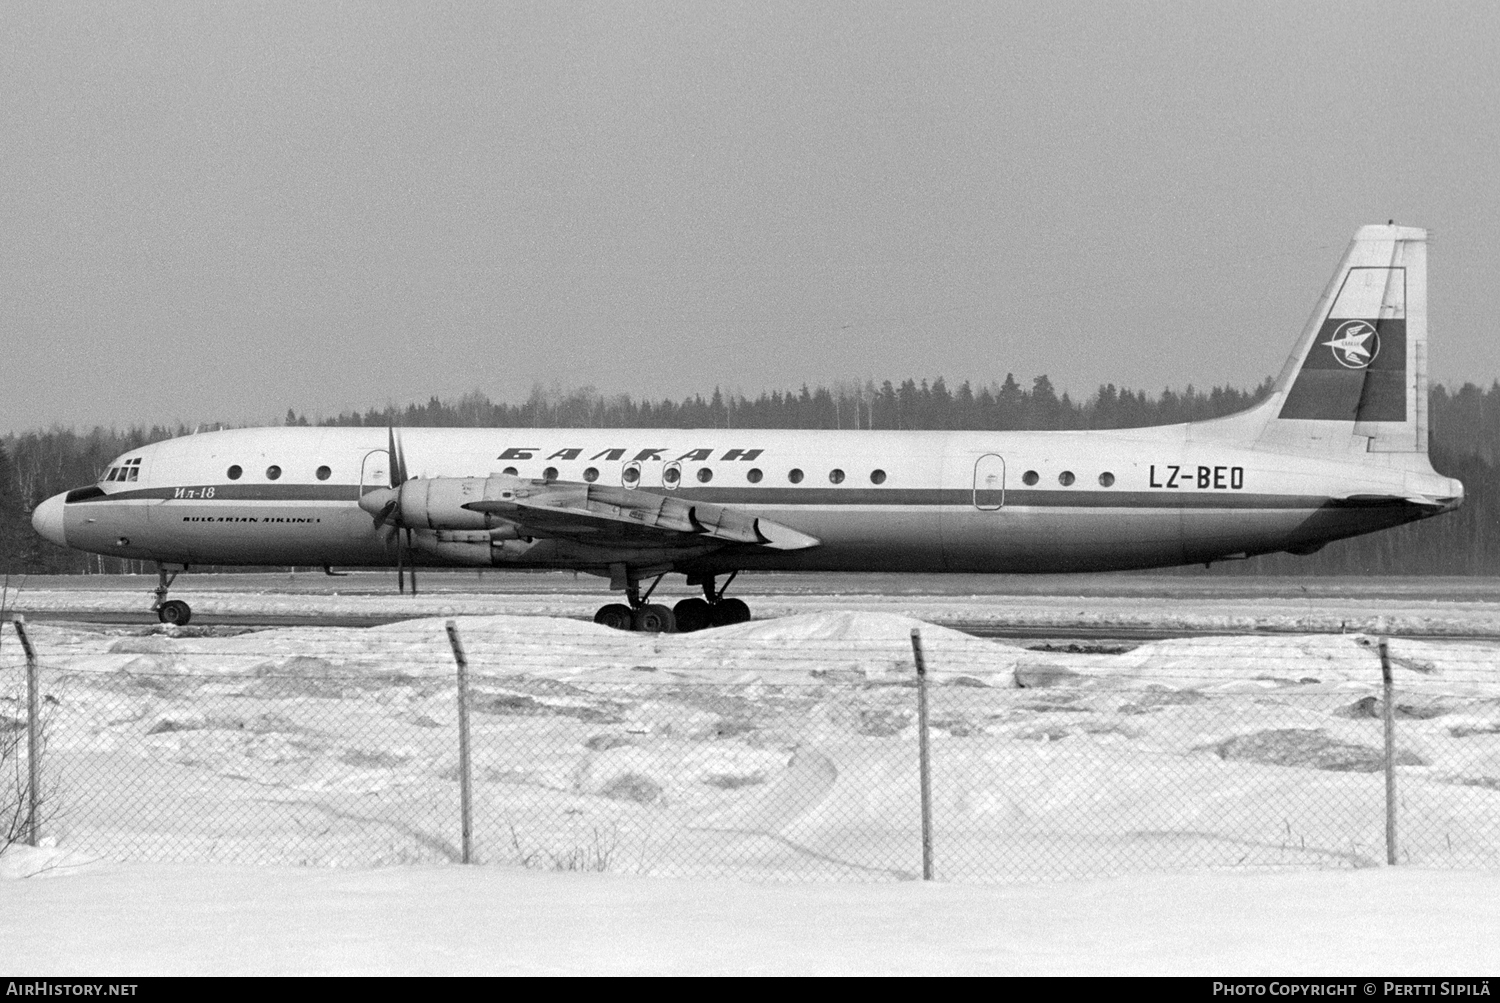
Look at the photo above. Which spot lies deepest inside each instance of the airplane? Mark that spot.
(1338, 449)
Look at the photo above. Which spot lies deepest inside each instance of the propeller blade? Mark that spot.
(390, 512)
(413, 567)
(398, 461)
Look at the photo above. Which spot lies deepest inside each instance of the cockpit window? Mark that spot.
(130, 470)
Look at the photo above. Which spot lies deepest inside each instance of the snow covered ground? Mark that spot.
(780, 749)
(780, 752)
(1166, 602)
(217, 919)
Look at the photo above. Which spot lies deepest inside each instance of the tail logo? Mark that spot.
(1355, 344)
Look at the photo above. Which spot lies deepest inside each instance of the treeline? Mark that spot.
(1465, 440)
(908, 405)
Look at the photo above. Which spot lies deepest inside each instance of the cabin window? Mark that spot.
(1066, 478)
(754, 475)
(550, 474)
(509, 471)
(591, 474)
(877, 477)
(1029, 478)
(324, 473)
(1106, 479)
(273, 472)
(671, 475)
(794, 475)
(705, 475)
(233, 473)
(632, 474)
(835, 476)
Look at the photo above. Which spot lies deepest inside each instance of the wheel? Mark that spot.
(616, 615)
(692, 614)
(175, 612)
(655, 619)
(729, 611)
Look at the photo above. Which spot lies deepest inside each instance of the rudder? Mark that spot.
(1357, 379)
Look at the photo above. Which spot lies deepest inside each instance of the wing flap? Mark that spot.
(590, 511)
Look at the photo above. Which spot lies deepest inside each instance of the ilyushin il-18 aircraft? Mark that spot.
(1337, 449)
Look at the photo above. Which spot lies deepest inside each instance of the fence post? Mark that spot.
(463, 741)
(33, 726)
(923, 764)
(1390, 750)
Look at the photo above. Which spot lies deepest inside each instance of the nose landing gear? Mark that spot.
(173, 611)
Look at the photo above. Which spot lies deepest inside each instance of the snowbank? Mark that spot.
(124, 920)
(777, 749)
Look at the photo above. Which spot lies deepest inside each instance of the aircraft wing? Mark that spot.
(601, 514)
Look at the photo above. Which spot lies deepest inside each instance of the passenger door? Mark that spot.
(989, 482)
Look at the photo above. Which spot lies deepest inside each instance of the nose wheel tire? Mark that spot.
(175, 612)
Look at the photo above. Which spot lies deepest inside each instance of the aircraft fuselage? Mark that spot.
(875, 500)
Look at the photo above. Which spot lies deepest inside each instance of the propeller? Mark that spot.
(385, 505)
(403, 547)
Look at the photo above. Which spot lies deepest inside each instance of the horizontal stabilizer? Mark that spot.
(1437, 503)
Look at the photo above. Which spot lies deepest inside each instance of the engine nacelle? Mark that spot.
(438, 502)
(474, 548)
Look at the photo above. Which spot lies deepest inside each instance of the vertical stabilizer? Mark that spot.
(1357, 380)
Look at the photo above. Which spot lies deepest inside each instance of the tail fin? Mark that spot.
(1357, 380)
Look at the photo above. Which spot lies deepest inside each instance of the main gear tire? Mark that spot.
(693, 614)
(616, 615)
(655, 619)
(175, 612)
(730, 611)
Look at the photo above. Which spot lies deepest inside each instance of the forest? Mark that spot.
(1464, 433)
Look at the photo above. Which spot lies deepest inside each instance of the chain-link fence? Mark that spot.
(769, 751)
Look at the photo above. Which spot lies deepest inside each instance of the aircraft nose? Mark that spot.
(47, 520)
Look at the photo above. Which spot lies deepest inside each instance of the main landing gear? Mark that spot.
(713, 610)
(173, 611)
(652, 618)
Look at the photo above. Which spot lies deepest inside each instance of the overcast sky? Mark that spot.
(217, 212)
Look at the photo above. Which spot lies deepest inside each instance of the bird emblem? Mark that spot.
(1355, 344)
